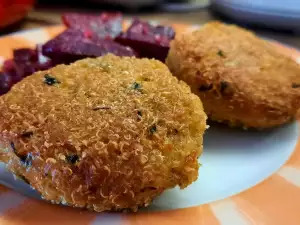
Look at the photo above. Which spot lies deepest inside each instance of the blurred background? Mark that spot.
(274, 19)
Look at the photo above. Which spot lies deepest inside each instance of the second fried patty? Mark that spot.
(241, 79)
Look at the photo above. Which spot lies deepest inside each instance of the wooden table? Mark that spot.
(49, 15)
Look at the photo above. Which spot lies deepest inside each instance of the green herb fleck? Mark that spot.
(23, 158)
(72, 158)
(27, 134)
(153, 129)
(12, 145)
(136, 86)
(223, 86)
(205, 87)
(101, 107)
(50, 80)
(221, 53)
(294, 85)
(139, 115)
(26, 159)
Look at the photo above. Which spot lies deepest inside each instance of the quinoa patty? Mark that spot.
(109, 133)
(241, 79)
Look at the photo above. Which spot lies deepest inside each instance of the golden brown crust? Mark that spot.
(110, 133)
(241, 79)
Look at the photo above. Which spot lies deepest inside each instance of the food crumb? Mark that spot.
(153, 129)
(72, 158)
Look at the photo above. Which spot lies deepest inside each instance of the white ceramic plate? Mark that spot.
(246, 176)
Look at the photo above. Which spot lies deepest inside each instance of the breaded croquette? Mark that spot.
(109, 133)
(241, 79)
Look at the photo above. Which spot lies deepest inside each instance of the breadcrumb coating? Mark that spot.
(241, 79)
(109, 133)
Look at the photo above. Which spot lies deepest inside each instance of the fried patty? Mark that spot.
(241, 79)
(109, 133)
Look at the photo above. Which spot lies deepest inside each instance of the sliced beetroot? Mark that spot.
(148, 40)
(73, 44)
(9, 69)
(41, 58)
(45, 66)
(104, 25)
(43, 62)
(5, 83)
(25, 55)
(8, 66)
(26, 61)
(25, 69)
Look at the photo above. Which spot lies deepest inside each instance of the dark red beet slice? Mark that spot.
(5, 83)
(44, 66)
(9, 65)
(25, 69)
(9, 69)
(43, 62)
(72, 45)
(25, 55)
(148, 40)
(28, 61)
(25, 60)
(105, 25)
